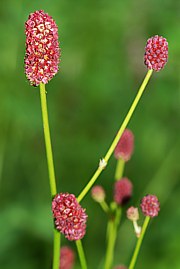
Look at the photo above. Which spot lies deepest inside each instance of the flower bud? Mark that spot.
(132, 213)
(98, 193)
(125, 146)
(66, 258)
(122, 191)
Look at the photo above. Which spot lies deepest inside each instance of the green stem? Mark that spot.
(118, 136)
(52, 180)
(47, 140)
(139, 242)
(104, 206)
(119, 169)
(112, 234)
(110, 245)
(81, 254)
(56, 247)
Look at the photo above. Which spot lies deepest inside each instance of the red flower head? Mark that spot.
(125, 146)
(122, 191)
(98, 193)
(42, 48)
(70, 217)
(67, 258)
(150, 205)
(156, 53)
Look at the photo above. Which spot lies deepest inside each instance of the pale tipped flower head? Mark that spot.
(132, 213)
(122, 191)
(150, 205)
(42, 48)
(98, 193)
(70, 217)
(67, 258)
(125, 146)
(156, 53)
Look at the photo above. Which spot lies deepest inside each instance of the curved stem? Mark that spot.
(118, 136)
(139, 242)
(52, 180)
(81, 254)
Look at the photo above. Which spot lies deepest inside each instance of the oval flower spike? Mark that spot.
(70, 217)
(156, 53)
(42, 48)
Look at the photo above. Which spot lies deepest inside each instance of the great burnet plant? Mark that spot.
(42, 58)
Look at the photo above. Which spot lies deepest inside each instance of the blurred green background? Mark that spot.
(101, 69)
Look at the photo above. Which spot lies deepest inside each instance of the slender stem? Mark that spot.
(47, 140)
(139, 242)
(112, 234)
(119, 169)
(118, 136)
(52, 180)
(105, 206)
(56, 247)
(89, 185)
(110, 245)
(81, 254)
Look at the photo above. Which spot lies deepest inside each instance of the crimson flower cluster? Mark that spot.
(150, 205)
(156, 53)
(42, 48)
(70, 217)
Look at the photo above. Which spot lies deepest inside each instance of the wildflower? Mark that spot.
(150, 205)
(70, 217)
(125, 146)
(42, 48)
(156, 53)
(122, 191)
(98, 193)
(66, 258)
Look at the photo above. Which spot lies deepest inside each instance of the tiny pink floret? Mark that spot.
(125, 146)
(67, 258)
(122, 191)
(70, 218)
(42, 48)
(156, 53)
(150, 205)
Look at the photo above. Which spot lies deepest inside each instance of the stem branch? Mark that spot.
(118, 136)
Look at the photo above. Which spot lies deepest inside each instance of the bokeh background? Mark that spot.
(101, 69)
